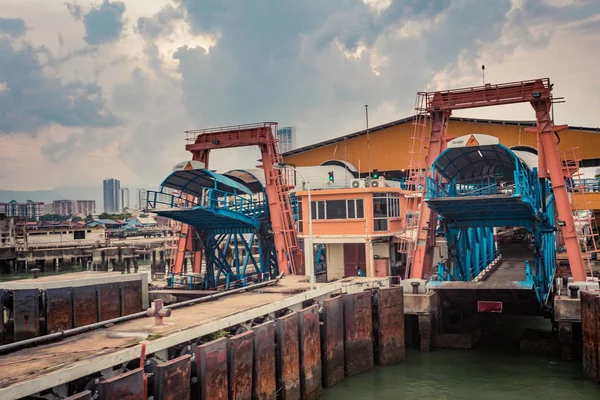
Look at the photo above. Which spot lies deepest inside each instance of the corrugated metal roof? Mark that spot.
(194, 180)
(467, 163)
(317, 177)
(410, 119)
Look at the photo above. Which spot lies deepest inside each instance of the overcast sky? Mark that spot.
(92, 89)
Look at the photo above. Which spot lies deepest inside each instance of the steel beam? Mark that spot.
(172, 379)
(390, 326)
(358, 341)
(85, 306)
(590, 326)
(240, 358)
(212, 370)
(127, 386)
(287, 357)
(332, 334)
(109, 301)
(264, 372)
(59, 310)
(26, 311)
(310, 353)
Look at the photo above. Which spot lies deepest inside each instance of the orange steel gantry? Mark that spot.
(201, 142)
(440, 104)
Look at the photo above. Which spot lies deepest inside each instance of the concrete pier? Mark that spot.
(256, 361)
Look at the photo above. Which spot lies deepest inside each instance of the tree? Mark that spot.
(143, 215)
(89, 218)
(75, 219)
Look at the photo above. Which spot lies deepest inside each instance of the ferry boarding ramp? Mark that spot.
(481, 185)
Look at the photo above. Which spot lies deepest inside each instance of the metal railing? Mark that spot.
(252, 206)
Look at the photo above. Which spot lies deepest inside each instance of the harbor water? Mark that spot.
(494, 370)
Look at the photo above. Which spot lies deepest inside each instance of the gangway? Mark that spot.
(481, 185)
(492, 206)
(230, 223)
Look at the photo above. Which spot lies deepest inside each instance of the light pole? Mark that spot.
(309, 248)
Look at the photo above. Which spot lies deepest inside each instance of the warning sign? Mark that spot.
(189, 165)
(472, 141)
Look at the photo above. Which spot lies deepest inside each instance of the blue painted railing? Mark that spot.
(251, 206)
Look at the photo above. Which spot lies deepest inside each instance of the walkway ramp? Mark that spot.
(477, 186)
(208, 201)
(506, 282)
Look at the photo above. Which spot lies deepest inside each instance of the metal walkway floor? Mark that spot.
(506, 283)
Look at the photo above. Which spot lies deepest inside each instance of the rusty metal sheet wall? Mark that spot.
(87, 395)
(390, 326)
(109, 301)
(287, 357)
(26, 308)
(212, 369)
(1, 315)
(85, 306)
(332, 337)
(172, 379)
(59, 310)
(309, 329)
(264, 384)
(358, 342)
(240, 358)
(590, 308)
(131, 298)
(127, 386)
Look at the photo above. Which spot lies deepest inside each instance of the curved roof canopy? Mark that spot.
(194, 180)
(251, 178)
(469, 163)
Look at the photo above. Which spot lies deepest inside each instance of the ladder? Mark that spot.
(415, 180)
(279, 179)
(585, 222)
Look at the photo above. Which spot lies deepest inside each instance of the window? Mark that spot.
(337, 209)
(79, 235)
(385, 205)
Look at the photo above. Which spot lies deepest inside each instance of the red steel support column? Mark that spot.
(546, 133)
(423, 255)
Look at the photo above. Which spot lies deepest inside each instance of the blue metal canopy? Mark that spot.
(465, 164)
(194, 180)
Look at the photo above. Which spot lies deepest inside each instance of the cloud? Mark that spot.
(14, 27)
(59, 151)
(32, 99)
(160, 23)
(103, 23)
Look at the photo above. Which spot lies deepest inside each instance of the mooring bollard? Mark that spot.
(158, 312)
(415, 287)
(35, 272)
(573, 290)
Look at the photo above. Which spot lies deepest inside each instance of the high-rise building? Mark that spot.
(85, 207)
(124, 199)
(141, 199)
(112, 195)
(72, 207)
(28, 209)
(287, 138)
(62, 207)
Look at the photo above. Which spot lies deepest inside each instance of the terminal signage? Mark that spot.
(473, 140)
(189, 165)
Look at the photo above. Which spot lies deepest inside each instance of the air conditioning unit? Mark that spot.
(357, 183)
(376, 183)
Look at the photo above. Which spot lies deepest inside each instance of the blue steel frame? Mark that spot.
(232, 228)
(471, 246)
